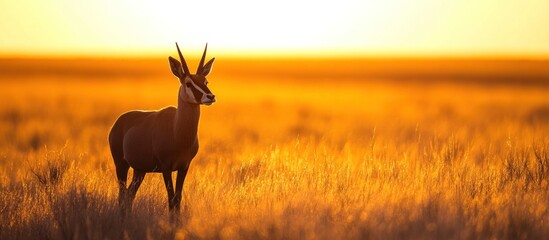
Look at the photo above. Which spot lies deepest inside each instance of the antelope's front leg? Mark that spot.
(181, 174)
(169, 188)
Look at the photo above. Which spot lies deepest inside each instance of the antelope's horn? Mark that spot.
(182, 60)
(201, 64)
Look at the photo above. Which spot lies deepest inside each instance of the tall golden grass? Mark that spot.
(283, 157)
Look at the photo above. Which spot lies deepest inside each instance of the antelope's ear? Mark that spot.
(207, 67)
(176, 68)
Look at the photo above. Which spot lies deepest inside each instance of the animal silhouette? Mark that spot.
(162, 141)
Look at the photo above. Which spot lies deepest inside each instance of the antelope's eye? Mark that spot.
(188, 84)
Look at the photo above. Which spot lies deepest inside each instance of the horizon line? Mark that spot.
(502, 57)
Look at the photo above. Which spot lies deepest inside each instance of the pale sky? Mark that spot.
(276, 28)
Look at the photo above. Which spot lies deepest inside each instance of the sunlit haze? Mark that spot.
(514, 28)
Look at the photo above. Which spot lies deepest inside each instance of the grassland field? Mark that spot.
(307, 150)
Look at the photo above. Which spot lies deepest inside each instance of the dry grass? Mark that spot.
(284, 159)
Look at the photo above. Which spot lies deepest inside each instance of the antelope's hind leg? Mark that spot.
(137, 179)
(122, 175)
(122, 167)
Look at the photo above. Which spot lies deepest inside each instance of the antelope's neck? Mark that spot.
(186, 122)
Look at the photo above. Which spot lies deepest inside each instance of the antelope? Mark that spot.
(162, 141)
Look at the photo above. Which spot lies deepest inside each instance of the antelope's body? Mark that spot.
(161, 141)
(145, 136)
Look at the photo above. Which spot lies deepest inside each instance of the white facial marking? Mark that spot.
(198, 88)
(189, 95)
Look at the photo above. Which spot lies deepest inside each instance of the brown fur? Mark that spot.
(159, 141)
